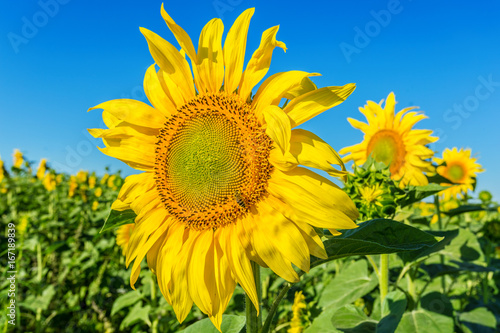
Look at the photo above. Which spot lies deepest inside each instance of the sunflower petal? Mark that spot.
(134, 112)
(234, 50)
(278, 126)
(171, 61)
(259, 63)
(210, 64)
(313, 103)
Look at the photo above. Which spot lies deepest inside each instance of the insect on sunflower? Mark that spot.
(222, 185)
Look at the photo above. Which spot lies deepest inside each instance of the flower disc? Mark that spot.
(212, 161)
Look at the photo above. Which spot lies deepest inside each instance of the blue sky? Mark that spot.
(60, 57)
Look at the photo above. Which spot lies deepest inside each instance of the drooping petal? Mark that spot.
(155, 93)
(259, 63)
(313, 103)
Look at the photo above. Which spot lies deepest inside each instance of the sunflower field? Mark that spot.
(238, 219)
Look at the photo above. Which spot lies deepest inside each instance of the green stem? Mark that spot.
(411, 286)
(374, 265)
(384, 277)
(440, 225)
(274, 307)
(39, 261)
(154, 326)
(254, 316)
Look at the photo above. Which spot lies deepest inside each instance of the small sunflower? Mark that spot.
(222, 185)
(371, 194)
(123, 235)
(42, 168)
(389, 138)
(459, 167)
(18, 158)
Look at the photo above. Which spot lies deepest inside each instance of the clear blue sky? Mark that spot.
(56, 61)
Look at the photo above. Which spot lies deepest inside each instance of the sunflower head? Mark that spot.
(222, 181)
(461, 169)
(389, 138)
(18, 158)
(42, 168)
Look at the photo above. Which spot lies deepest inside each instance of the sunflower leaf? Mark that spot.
(464, 209)
(376, 237)
(117, 218)
(416, 193)
(230, 324)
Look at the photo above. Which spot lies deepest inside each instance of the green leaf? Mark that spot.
(136, 314)
(423, 321)
(117, 218)
(464, 209)
(376, 237)
(350, 284)
(417, 193)
(478, 319)
(465, 247)
(125, 300)
(352, 319)
(448, 236)
(230, 324)
(323, 323)
(392, 311)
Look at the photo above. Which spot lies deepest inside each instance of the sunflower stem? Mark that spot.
(254, 316)
(274, 307)
(440, 224)
(384, 278)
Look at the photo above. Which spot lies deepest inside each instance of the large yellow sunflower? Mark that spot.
(459, 167)
(389, 138)
(222, 185)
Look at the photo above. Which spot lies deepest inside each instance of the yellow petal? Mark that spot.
(305, 86)
(274, 88)
(210, 64)
(171, 61)
(313, 152)
(181, 298)
(180, 35)
(132, 155)
(134, 112)
(314, 198)
(234, 50)
(171, 89)
(161, 226)
(133, 187)
(259, 63)
(313, 103)
(155, 93)
(278, 126)
(237, 259)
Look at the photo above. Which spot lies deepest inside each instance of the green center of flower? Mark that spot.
(212, 161)
(205, 164)
(387, 147)
(455, 173)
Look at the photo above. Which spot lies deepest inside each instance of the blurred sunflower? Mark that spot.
(222, 184)
(459, 167)
(123, 235)
(42, 168)
(389, 138)
(18, 158)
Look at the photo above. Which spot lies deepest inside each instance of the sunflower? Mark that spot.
(459, 167)
(122, 234)
(222, 185)
(389, 138)
(42, 168)
(18, 158)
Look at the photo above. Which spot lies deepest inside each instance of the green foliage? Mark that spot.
(444, 273)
